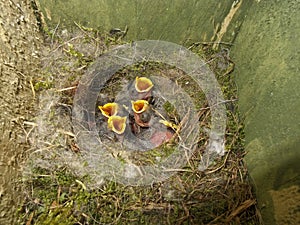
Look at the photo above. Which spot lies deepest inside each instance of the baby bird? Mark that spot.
(109, 109)
(142, 112)
(142, 88)
(117, 124)
(149, 125)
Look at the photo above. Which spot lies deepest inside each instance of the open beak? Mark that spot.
(109, 109)
(143, 86)
(142, 113)
(117, 124)
(139, 106)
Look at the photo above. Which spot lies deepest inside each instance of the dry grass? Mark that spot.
(220, 195)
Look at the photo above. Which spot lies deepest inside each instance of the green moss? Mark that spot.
(57, 196)
(43, 81)
(42, 85)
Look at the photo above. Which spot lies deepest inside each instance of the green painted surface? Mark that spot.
(267, 56)
(173, 20)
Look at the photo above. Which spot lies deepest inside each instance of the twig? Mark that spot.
(32, 124)
(245, 205)
(222, 102)
(209, 43)
(178, 170)
(66, 132)
(30, 218)
(66, 42)
(66, 89)
(84, 30)
(32, 88)
(53, 34)
(220, 167)
(81, 184)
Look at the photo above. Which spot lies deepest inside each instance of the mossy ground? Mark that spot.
(221, 195)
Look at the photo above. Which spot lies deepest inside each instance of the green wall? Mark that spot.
(267, 56)
(173, 20)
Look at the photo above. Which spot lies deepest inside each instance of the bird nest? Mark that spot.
(136, 100)
(83, 170)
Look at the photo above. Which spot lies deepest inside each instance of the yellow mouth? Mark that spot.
(143, 84)
(117, 124)
(109, 109)
(139, 106)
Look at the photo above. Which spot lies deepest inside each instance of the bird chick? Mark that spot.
(142, 112)
(117, 124)
(143, 86)
(109, 109)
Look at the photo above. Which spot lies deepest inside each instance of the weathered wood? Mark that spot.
(19, 50)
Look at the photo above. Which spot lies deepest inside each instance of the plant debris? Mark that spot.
(222, 194)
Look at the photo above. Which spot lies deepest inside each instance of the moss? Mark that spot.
(57, 196)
